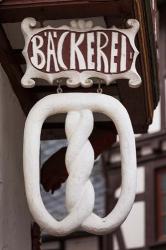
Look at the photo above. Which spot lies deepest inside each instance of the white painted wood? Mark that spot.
(89, 243)
(50, 246)
(133, 228)
(114, 52)
(156, 124)
(123, 57)
(140, 182)
(79, 162)
(115, 243)
(146, 150)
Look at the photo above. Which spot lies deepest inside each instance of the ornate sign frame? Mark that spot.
(83, 77)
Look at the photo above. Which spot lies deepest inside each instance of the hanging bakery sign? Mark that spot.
(80, 53)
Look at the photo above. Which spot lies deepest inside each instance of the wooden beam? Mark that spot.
(55, 131)
(44, 90)
(14, 73)
(134, 101)
(16, 11)
(75, 235)
(17, 53)
(162, 65)
(153, 141)
(145, 57)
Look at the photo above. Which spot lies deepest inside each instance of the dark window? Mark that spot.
(161, 204)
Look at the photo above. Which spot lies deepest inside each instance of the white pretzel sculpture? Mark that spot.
(79, 162)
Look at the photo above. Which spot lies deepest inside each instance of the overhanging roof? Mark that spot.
(139, 102)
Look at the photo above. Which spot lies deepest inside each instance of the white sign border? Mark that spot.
(75, 78)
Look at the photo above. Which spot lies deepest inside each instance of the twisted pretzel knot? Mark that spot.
(79, 162)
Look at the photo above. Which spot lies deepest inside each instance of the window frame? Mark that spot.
(160, 195)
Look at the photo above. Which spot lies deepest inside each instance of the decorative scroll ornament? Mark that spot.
(80, 53)
(79, 162)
